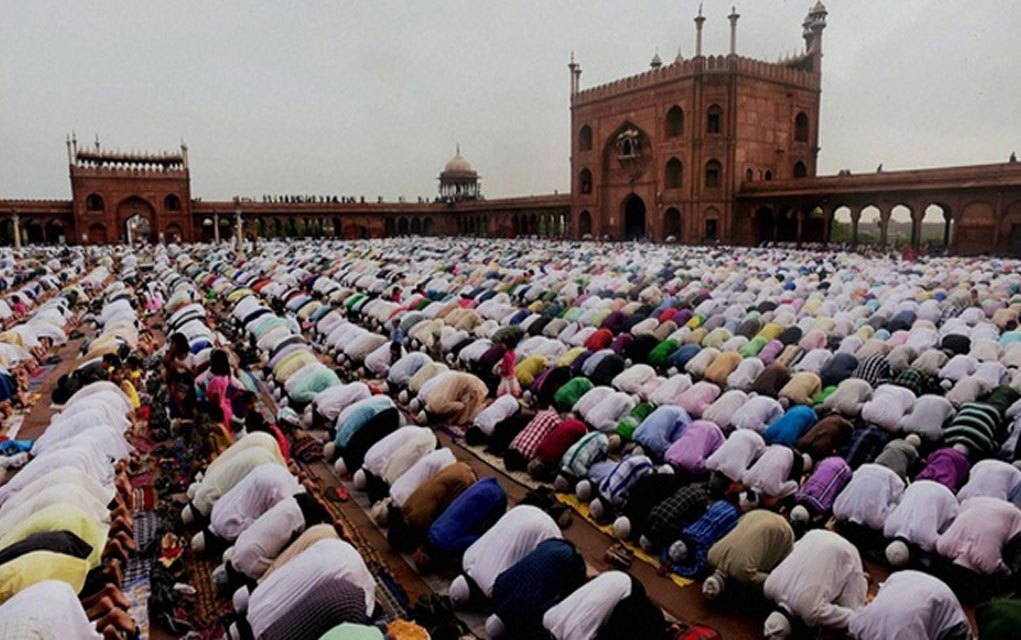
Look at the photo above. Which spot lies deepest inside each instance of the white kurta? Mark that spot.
(822, 581)
(237, 509)
(991, 478)
(735, 455)
(83, 458)
(975, 539)
(259, 544)
(54, 606)
(770, 473)
(870, 496)
(421, 472)
(925, 509)
(514, 536)
(283, 588)
(220, 479)
(910, 605)
(580, 615)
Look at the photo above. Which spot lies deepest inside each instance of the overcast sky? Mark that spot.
(370, 97)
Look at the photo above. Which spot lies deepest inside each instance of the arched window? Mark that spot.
(585, 138)
(674, 174)
(172, 203)
(714, 119)
(768, 176)
(713, 174)
(800, 170)
(94, 202)
(675, 122)
(801, 127)
(585, 181)
(749, 175)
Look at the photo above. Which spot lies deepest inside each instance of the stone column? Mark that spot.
(916, 227)
(884, 225)
(17, 229)
(216, 227)
(855, 218)
(801, 226)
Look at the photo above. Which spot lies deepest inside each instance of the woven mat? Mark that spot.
(35, 382)
(137, 593)
(210, 606)
(521, 477)
(582, 509)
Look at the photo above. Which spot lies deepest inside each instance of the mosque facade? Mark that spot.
(707, 149)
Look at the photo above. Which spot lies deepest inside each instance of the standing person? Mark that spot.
(180, 377)
(508, 380)
(397, 336)
(220, 388)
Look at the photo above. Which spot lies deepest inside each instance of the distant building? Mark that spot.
(706, 149)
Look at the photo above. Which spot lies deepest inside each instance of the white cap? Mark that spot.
(198, 542)
(596, 509)
(914, 440)
(777, 626)
(645, 543)
(494, 627)
(583, 490)
(897, 554)
(360, 479)
(193, 488)
(415, 405)
(678, 551)
(187, 514)
(748, 500)
(622, 527)
(402, 397)
(240, 600)
(807, 460)
(330, 450)
(380, 512)
(459, 591)
(714, 586)
(800, 514)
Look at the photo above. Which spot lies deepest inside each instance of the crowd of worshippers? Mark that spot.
(66, 514)
(760, 420)
(739, 415)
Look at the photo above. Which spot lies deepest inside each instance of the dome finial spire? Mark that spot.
(458, 148)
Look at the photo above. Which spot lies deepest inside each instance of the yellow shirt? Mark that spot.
(62, 517)
(39, 566)
(129, 390)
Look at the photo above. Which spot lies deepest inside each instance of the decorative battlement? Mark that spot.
(99, 161)
(789, 71)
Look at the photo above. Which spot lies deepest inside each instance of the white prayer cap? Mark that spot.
(622, 527)
(714, 586)
(777, 626)
(678, 551)
(898, 554)
(459, 591)
(494, 627)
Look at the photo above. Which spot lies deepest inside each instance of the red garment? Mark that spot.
(557, 442)
(599, 340)
(285, 446)
(527, 442)
(668, 314)
(507, 364)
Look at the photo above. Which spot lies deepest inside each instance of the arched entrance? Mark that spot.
(765, 225)
(137, 228)
(585, 224)
(136, 216)
(634, 218)
(672, 225)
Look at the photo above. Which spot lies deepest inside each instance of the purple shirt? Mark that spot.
(948, 467)
(698, 441)
(819, 492)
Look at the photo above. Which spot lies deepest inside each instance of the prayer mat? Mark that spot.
(137, 593)
(582, 509)
(521, 477)
(35, 381)
(145, 498)
(146, 526)
(210, 606)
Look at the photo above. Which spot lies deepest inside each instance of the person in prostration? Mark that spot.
(925, 510)
(746, 555)
(911, 605)
(822, 583)
(513, 537)
(611, 605)
(976, 538)
(281, 591)
(529, 588)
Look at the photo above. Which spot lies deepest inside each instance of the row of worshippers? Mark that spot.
(66, 517)
(380, 343)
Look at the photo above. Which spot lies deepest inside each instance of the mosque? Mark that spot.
(708, 149)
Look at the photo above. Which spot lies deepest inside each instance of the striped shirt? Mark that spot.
(822, 487)
(718, 520)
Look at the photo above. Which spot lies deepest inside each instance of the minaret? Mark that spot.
(70, 156)
(699, 21)
(813, 27)
(656, 62)
(734, 15)
(184, 153)
(575, 75)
